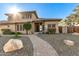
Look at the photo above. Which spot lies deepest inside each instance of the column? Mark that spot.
(40, 28)
(45, 28)
(57, 29)
(32, 30)
(1, 32)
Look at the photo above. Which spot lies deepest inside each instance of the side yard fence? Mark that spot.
(70, 29)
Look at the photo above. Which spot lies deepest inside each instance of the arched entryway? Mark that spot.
(39, 27)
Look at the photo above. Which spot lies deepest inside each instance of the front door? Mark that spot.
(37, 27)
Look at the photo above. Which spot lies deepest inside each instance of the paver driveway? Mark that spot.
(41, 47)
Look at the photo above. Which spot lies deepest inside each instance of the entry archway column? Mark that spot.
(57, 28)
(45, 28)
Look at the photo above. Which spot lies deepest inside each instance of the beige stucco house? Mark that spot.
(15, 22)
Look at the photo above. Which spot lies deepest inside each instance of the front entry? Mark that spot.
(37, 28)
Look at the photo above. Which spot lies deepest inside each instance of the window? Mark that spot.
(27, 16)
(49, 25)
(53, 25)
(17, 27)
(23, 27)
(20, 27)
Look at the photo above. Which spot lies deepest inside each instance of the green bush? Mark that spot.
(19, 33)
(51, 31)
(12, 33)
(6, 31)
(15, 33)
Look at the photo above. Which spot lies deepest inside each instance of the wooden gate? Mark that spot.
(76, 29)
(73, 29)
(60, 29)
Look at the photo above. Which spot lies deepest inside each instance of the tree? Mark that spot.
(27, 26)
(71, 21)
(76, 11)
(73, 18)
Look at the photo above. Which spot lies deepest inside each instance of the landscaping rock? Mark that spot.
(12, 45)
(75, 33)
(69, 42)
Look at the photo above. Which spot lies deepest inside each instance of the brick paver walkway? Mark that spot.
(41, 47)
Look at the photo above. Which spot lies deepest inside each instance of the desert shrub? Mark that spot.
(16, 32)
(12, 33)
(51, 31)
(6, 31)
(19, 33)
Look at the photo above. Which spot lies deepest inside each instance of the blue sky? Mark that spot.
(44, 10)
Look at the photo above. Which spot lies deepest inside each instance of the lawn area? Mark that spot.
(27, 50)
(56, 41)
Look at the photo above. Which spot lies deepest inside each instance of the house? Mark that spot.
(15, 22)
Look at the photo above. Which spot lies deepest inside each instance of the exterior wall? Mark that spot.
(8, 26)
(12, 27)
(34, 17)
(51, 22)
(18, 18)
(3, 26)
(33, 28)
(24, 31)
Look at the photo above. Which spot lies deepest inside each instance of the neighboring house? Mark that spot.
(15, 22)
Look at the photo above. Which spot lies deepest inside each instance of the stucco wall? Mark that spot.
(51, 22)
(8, 26)
(18, 18)
(34, 17)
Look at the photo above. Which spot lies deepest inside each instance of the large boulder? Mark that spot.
(12, 45)
(69, 42)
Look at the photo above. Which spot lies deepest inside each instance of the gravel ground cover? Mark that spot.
(26, 51)
(56, 41)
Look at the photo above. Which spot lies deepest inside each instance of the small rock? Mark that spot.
(69, 42)
(12, 45)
